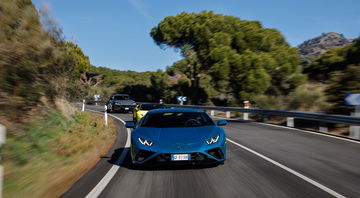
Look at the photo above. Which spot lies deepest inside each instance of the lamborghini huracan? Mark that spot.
(177, 136)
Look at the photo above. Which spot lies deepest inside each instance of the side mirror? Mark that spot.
(130, 125)
(222, 122)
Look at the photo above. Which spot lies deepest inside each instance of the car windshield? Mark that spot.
(177, 119)
(151, 106)
(121, 98)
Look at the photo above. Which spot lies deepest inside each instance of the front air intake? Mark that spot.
(143, 155)
(216, 152)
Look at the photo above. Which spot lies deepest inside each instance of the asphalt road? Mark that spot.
(262, 161)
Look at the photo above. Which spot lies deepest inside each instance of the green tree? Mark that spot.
(241, 57)
(339, 69)
(33, 63)
(336, 59)
(341, 83)
(82, 62)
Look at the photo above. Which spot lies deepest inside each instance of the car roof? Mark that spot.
(174, 110)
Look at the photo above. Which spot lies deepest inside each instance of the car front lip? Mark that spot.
(202, 151)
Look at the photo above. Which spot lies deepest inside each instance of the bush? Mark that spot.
(309, 97)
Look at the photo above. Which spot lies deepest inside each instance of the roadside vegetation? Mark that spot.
(339, 69)
(49, 144)
(49, 154)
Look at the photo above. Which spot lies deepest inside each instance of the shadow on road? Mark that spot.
(151, 166)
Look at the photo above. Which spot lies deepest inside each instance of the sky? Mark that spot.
(115, 33)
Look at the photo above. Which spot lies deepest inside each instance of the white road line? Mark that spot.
(322, 187)
(312, 132)
(301, 130)
(96, 191)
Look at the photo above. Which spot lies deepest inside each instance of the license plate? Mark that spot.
(126, 108)
(180, 157)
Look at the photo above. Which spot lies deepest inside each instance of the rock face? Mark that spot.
(315, 47)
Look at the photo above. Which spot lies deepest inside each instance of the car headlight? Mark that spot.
(117, 103)
(145, 142)
(213, 140)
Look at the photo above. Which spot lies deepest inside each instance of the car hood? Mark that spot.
(142, 112)
(179, 135)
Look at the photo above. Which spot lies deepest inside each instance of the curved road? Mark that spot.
(262, 161)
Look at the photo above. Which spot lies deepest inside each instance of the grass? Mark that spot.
(52, 152)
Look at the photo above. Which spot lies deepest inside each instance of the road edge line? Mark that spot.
(307, 179)
(96, 191)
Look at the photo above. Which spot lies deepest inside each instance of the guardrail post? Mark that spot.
(83, 106)
(323, 127)
(355, 130)
(265, 118)
(2, 141)
(106, 116)
(228, 114)
(290, 122)
(212, 113)
(245, 116)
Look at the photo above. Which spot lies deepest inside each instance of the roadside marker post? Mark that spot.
(228, 114)
(83, 105)
(355, 130)
(246, 106)
(1, 179)
(354, 100)
(2, 134)
(106, 116)
(2, 141)
(290, 122)
(323, 127)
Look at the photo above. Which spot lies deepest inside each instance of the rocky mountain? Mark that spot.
(315, 47)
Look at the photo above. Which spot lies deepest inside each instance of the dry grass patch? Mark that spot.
(54, 153)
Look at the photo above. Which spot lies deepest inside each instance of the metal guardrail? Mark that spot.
(327, 118)
(322, 117)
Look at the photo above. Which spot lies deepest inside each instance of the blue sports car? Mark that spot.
(177, 136)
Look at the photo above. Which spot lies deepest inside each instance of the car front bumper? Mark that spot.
(214, 155)
(123, 107)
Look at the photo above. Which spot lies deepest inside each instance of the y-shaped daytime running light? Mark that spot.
(145, 142)
(213, 140)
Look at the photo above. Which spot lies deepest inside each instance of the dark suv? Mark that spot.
(120, 102)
